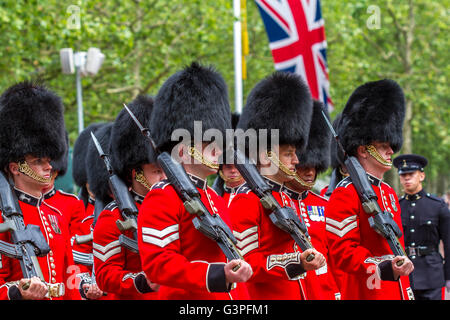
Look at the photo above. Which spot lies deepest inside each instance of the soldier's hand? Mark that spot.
(92, 291)
(405, 269)
(316, 263)
(35, 289)
(242, 274)
(152, 285)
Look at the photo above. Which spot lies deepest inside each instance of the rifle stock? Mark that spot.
(283, 217)
(124, 201)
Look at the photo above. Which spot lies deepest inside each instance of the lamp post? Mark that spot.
(82, 64)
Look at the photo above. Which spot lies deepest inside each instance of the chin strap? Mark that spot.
(303, 183)
(139, 177)
(374, 153)
(193, 152)
(26, 170)
(276, 161)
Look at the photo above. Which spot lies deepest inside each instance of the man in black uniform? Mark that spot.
(426, 221)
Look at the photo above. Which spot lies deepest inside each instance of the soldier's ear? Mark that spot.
(13, 168)
(361, 151)
(421, 176)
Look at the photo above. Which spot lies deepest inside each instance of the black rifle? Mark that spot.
(379, 220)
(80, 239)
(29, 242)
(283, 217)
(124, 201)
(218, 185)
(211, 225)
(336, 177)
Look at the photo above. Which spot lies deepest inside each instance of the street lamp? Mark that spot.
(82, 64)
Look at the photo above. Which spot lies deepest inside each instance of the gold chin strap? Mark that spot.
(193, 152)
(307, 185)
(273, 157)
(374, 153)
(139, 177)
(344, 174)
(229, 180)
(26, 170)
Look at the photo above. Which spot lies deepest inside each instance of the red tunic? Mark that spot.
(186, 263)
(83, 251)
(268, 249)
(312, 209)
(356, 249)
(69, 205)
(229, 193)
(118, 271)
(57, 266)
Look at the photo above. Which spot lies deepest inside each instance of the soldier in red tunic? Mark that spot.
(68, 204)
(82, 239)
(232, 181)
(118, 270)
(31, 135)
(282, 101)
(229, 178)
(320, 284)
(186, 263)
(370, 130)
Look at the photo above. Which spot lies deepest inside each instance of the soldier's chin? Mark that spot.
(45, 185)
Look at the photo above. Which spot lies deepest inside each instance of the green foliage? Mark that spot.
(146, 41)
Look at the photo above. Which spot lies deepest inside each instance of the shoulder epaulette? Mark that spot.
(433, 197)
(160, 185)
(111, 206)
(69, 194)
(243, 189)
(318, 195)
(344, 183)
(87, 218)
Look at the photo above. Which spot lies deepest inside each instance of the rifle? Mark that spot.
(217, 185)
(29, 242)
(283, 217)
(379, 220)
(124, 202)
(98, 208)
(336, 177)
(211, 225)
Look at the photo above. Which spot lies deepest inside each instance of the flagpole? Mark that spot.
(237, 55)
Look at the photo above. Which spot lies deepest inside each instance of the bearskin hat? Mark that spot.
(97, 174)
(32, 122)
(280, 101)
(196, 93)
(60, 165)
(129, 147)
(80, 147)
(317, 152)
(374, 112)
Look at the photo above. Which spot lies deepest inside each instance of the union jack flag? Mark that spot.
(297, 40)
